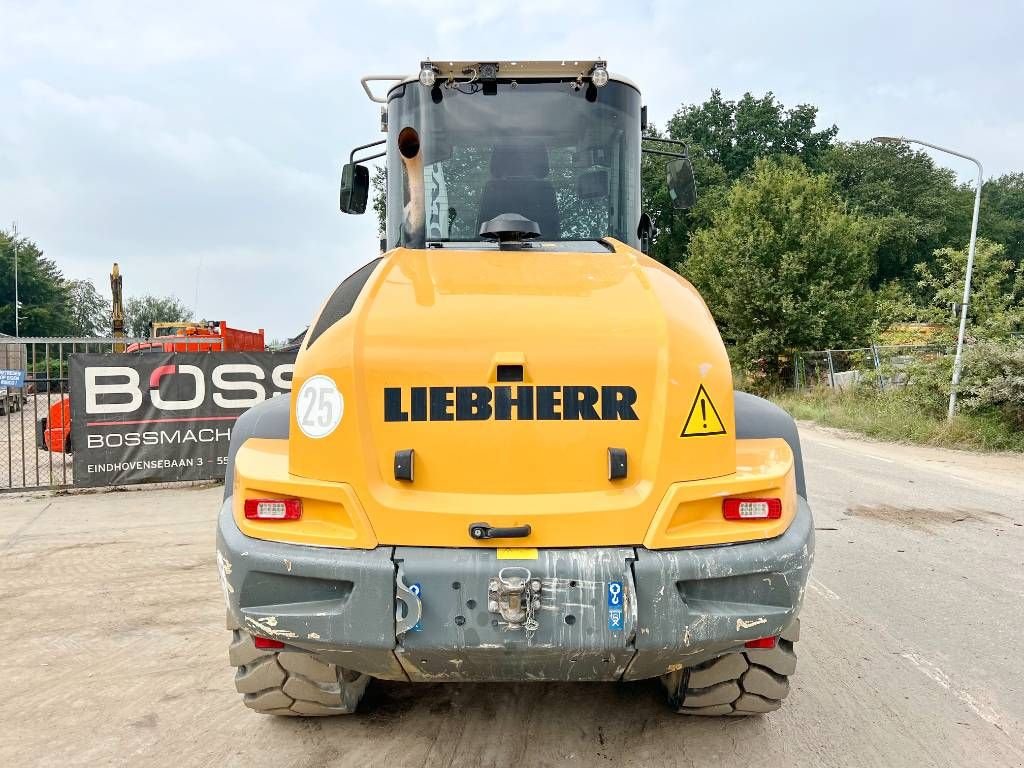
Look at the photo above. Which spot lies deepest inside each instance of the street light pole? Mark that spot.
(14, 230)
(958, 360)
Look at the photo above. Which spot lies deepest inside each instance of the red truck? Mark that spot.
(213, 336)
(53, 431)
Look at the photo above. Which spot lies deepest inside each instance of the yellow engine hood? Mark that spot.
(616, 352)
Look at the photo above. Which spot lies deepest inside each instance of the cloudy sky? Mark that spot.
(206, 138)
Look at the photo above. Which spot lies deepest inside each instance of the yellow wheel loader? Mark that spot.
(513, 450)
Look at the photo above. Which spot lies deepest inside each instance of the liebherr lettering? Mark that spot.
(510, 403)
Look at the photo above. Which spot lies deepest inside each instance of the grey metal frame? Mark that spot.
(46, 381)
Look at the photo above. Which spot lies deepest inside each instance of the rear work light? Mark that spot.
(751, 509)
(761, 642)
(273, 509)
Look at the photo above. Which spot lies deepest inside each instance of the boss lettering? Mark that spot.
(125, 384)
(199, 393)
(234, 386)
(259, 394)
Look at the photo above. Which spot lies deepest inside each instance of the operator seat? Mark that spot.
(519, 184)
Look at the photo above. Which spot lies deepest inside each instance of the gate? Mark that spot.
(33, 451)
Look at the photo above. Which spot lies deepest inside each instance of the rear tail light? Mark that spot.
(266, 644)
(761, 642)
(273, 509)
(751, 509)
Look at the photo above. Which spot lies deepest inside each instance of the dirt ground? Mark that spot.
(115, 651)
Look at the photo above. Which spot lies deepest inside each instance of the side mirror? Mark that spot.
(355, 188)
(592, 184)
(682, 187)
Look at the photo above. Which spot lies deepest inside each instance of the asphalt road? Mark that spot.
(911, 650)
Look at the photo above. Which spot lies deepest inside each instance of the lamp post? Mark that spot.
(958, 360)
(17, 304)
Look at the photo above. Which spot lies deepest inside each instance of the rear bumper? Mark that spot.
(605, 613)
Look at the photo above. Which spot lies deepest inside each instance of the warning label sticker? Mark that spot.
(703, 418)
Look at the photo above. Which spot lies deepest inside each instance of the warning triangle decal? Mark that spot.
(703, 418)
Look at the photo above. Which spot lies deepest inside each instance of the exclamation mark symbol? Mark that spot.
(704, 411)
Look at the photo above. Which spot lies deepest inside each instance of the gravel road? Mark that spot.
(911, 650)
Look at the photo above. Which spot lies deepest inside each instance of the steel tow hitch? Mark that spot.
(515, 596)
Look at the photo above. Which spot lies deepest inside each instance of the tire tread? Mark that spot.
(291, 683)
(750, 682)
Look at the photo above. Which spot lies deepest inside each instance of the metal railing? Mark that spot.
(26, 460)
(843, 368)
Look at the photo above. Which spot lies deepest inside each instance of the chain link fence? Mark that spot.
(34, 445)
(840, 369)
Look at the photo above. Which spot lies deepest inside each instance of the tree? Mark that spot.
(784, 266)
(90, 310)
(141, 312)
(1002, 214)
(41, 290)
(734, 134)
(916, 206)
(380, 198)
(997, 289)
(724, 138)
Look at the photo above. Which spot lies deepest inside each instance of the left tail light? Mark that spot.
(273, 509)
(751, 509)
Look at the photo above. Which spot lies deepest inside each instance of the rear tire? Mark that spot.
(291, 683)
(749, 683)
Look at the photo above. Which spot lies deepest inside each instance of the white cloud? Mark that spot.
(165, 135)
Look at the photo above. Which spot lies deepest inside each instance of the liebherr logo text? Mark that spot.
(510, 403)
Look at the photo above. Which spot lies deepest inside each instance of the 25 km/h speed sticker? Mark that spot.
(319, 406)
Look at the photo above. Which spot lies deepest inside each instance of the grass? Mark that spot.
(888, 416)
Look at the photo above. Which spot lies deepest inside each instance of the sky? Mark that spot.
(200, 144)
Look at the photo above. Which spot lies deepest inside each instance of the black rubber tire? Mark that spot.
(749, 683)
(291, 683)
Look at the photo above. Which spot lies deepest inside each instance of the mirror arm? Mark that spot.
(677, 142)
(362, 160)
(352, 154)
(665, 154)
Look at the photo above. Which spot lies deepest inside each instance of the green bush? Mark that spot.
(928, 381)
(993, 380)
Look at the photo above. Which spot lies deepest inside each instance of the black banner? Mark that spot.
(161, 417)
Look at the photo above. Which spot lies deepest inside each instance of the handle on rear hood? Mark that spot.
(486, 531)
